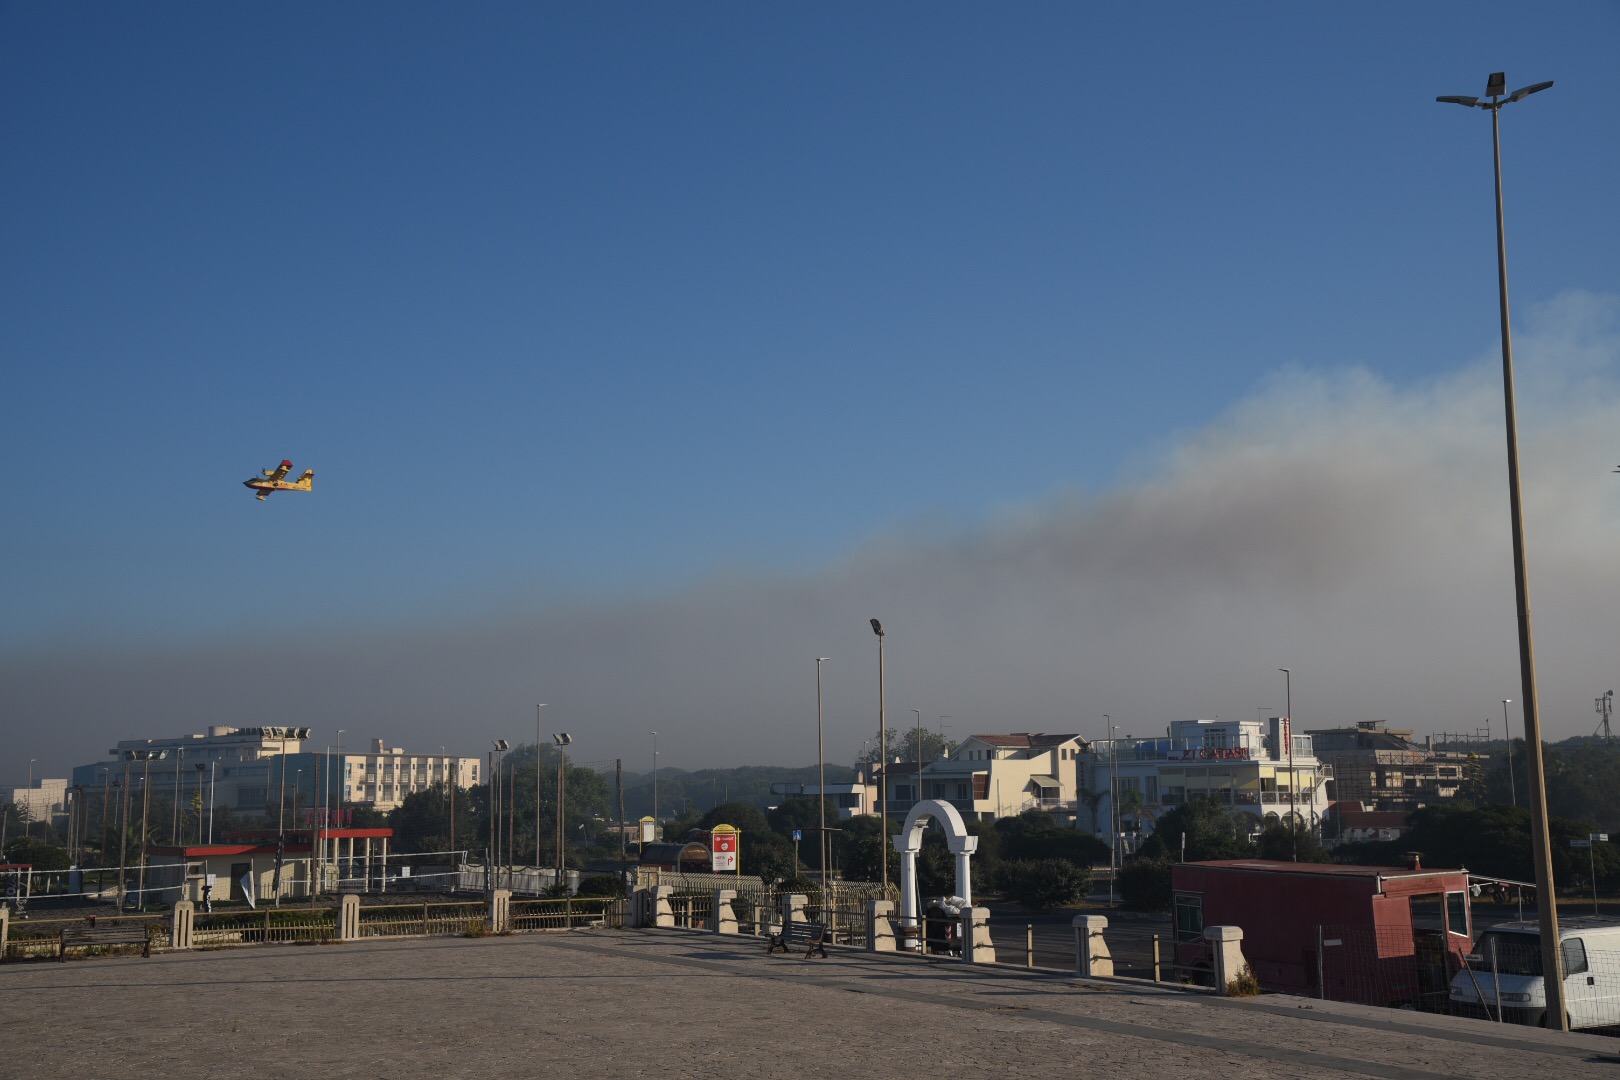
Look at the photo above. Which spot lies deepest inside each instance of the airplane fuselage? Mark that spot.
(273, 481)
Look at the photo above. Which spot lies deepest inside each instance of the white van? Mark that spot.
(1504, 972)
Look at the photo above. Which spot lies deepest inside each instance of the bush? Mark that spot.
(1044, 884)
(1144, 884)
(602, 885)
(1245, 985)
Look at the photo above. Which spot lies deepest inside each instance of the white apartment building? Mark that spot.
(281, 771)
(1258, 769)
(996, 776)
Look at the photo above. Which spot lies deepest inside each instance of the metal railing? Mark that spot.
(32, 939)
(567, 913)
(461, 919)
(218, 928)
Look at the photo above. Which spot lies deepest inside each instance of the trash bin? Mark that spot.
(942, 929)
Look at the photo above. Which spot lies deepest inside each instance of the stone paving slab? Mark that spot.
(679, 1004)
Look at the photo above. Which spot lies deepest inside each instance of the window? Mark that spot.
(1189, 916)
(1574, 956)
(1457, 913)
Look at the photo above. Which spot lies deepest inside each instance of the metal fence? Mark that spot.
(34, 939)
(1502, 980)
(463, 919)
(221, 928)
(567, 913)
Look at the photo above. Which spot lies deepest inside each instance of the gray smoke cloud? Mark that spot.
(1329, 522)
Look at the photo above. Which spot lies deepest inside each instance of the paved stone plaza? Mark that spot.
(679, 1004)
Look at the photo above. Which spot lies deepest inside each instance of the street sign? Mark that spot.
(1598, 836)
(798, 834)
(1580, 843)
(723, 845)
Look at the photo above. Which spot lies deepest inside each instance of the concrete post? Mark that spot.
(663, 909)
(911, 925)
(880, 926)
(5, 930)
(964, 873)
(1226, 950)
(348, 917)
(180, 921)
(1091, 955)
(500, 911)
(725, 919)
(793, 909)
(977, 947)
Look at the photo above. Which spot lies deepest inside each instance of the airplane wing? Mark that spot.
(279, 471)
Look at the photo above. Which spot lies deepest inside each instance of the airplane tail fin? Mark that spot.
(307, 481)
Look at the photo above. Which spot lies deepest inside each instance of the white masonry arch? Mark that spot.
(909, 843)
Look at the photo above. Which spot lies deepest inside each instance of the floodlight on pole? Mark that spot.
(1541, 846)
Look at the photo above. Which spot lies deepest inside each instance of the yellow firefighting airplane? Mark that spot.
(275, 480)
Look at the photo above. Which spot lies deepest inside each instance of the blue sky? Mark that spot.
(578, 309)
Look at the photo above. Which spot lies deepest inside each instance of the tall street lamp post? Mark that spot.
(1551, 960)
(1113, 808)
(918, 799)
(883, 764)
(537, 830)
(654, 734)
(1293, 778)
(1507, 733)
(821, 779)
(562, 739)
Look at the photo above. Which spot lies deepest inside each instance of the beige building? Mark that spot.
(996, 776)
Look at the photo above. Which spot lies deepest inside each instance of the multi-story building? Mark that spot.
(1383, 769)
(1257, 769)
(273, 772)
(996, 776)
(45, 801)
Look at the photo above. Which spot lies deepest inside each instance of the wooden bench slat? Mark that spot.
(84, 937)
(813, 936)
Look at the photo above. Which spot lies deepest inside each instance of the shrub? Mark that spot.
(1043, 884)
(1245, 985)
(601, 885)
(1144, 884)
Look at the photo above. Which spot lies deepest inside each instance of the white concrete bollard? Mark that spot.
(880, 926)
(663, 899)
(725, 919)
(500, 911)
(348, 917)
(180, 922)
(976, 945)
(1091, 955)
(1226, 950)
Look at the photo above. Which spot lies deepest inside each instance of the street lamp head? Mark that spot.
(562, 738)
(502, 744)
(1496, 85)
(1466, 102)
(1525, 91)
(877, 627)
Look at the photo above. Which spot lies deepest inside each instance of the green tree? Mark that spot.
(1144, 883)
(1044, 884)
(1299, 844)
(1211, 831)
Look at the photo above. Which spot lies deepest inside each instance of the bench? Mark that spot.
(88, 936)
(813, 936)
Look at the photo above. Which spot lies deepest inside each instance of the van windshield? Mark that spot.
(1516, 954)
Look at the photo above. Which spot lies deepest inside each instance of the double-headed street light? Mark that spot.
(1547, 911)
(883, 764)
(562, 739)
(821, 777)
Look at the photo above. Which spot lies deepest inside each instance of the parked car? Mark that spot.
(1503, 979)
